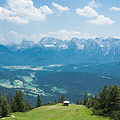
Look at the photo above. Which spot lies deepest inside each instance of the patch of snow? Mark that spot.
(106, 53)
(75, 68)
(37, 68)
(106, 77)
(80, 47)
(86, 65)
(55, 65)
(49, 45)
(64, 46)
(114, 52)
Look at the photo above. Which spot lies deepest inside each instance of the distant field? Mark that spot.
(58, 112)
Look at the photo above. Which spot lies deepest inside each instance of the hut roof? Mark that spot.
(66, 102)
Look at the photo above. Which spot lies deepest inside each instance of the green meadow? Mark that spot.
(57, 112)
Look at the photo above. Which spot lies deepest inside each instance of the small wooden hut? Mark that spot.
(66, 103)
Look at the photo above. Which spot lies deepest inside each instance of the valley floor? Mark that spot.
(57, 112)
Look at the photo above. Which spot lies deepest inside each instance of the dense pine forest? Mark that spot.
(13, 104)
(107, 103)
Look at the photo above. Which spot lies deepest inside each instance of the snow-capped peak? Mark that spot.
(27, 44)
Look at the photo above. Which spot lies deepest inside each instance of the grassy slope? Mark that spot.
(58, 112)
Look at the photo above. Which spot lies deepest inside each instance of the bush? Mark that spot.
(115, 115)
(98, 112)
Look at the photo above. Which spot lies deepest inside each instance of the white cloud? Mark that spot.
(8, 15)
(22, 11)
(68, 32)
(86, 11)
(60, 8)
(61, 34)
(101, 20)
(18, 37)
(25, 9)
(68, 35)
(115, 8)
(93, 4)
(16, 34)
(2, 39)
(17, 19)
(45, 9)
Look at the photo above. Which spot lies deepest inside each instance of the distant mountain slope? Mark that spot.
(54, 51)
(25, 44)
(75, 83)
(6, 56)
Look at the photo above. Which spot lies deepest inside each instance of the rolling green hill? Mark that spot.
(58, 112)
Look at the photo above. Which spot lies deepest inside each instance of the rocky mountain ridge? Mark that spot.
(54, 51)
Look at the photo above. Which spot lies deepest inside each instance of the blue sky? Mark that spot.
(63, 19)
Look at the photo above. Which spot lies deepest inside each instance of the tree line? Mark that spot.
(107, 103)
(17, 103)
(13, 104)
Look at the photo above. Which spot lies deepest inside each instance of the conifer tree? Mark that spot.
(12, 104)
(38, 101)
(19, 103)
(86, 99)
(62, 98)
(1, 96)
(55, 100)
(22, 102)
(79, 102)
(59, 100)
(114, 99)
(28, 106)
(91, 97)
(96, 96)
(109, 102)
(5, 109)
(103, 97)
(90, 102)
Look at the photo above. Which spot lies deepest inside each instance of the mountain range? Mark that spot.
(54, 51)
